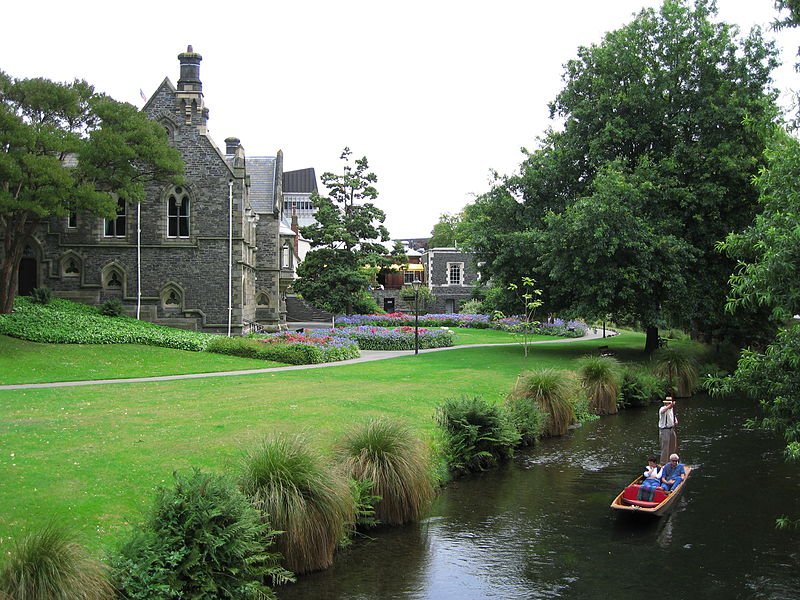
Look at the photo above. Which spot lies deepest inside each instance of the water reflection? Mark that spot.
(542, 527)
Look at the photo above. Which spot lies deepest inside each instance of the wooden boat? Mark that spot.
(661, 503)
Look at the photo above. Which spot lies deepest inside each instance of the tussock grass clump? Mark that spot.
(678, 368)
(551, 392)
(302, 496)
(477, 435)
(388, 454)
(602, 380)
(50, 565)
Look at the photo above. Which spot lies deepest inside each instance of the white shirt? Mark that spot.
(666, 418)
(653, 473)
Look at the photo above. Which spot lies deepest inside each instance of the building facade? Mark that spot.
(205, 255)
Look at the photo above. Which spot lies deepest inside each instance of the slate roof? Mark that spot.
(262, 182)
(302, 181)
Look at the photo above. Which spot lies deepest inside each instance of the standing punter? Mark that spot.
(666, 429)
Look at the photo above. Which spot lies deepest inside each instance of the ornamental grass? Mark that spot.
(388, 454)
(50, 565)
(553, 392)
(601, 377)
(678, 368)
(302, 496)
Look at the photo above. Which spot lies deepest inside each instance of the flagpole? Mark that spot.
(138, 259)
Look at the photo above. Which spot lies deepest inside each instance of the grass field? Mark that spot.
(91, 456)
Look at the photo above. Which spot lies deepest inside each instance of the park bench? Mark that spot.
(605, 351)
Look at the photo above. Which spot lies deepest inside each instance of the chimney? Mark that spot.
(190, 71)
(231, 144)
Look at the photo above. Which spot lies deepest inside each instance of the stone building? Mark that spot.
(205, 255)
(451, 275)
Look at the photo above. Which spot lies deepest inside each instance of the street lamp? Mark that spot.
(416, 285)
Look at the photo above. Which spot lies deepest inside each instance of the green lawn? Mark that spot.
(30, 362)
(92, 455)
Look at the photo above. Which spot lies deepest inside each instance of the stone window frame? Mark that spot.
(72, 220)
(70, 256)
(112, 272)
(449, 273)
(112, 227)
(184, 193)
(172, 290)
(261, 297)
(286, 255)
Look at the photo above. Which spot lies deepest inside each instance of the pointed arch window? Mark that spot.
(285, 256)
(178, 213)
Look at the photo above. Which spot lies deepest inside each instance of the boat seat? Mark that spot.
(631, 493)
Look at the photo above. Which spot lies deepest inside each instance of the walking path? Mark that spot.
(366, 356)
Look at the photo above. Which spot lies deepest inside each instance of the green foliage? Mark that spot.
(601, 378)
(202, 540)
(447, 232)
(552, 392)
(304, 498)
(477, 435)
(64, 322)
(41, 295)
(112, 308)
(390, 456)
(290, 354)
(640, 386)
(679, 369)
(42, 124)
(364, 501)
(617, 213)
(50, 565)
(423, 295)
(472, 307)
(344, 239)
(527, 416)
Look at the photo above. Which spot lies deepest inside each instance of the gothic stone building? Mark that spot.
(176, 268)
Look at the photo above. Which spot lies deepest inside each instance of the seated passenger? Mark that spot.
(672, 474)
(652, 478)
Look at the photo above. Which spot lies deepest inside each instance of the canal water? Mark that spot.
(542, 527)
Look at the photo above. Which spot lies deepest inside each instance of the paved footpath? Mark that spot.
(366, 356)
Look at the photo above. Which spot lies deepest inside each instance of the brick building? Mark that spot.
(207, 255)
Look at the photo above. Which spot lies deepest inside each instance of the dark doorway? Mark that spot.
(450, 306)
(28, 278)
(388, 305)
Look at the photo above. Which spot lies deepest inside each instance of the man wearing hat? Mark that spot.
(666, 429)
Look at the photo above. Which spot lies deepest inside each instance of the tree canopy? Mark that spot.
(447, 231)
(618, 212)
(345, 240)
(65, 148)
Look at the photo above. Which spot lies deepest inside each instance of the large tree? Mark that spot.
(65, 148)
(345, 240)
(618, 211)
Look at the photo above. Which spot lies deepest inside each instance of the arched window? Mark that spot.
(172, 297)
(178, 213)
(285, 256)
(262, 299)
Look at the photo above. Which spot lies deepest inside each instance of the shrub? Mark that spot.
(203, 539)
(477, 435)
(387, 453)
(65, 322)
(527, 417)
(334, 347)
(552, 392)
(397, 338)
(473, 306)
(51, 565)
(303, 497)
(290, 354)
(640, 386)
(600, 377)
(112, 308)
(41, 295)
(678, 368)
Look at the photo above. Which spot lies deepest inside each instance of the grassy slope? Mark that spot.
(30, 362)
(92, 455)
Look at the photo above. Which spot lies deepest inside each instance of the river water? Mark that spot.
(542, 527)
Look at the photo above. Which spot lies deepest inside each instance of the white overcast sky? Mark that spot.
(435, 93)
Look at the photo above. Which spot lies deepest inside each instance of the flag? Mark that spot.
(141, 93)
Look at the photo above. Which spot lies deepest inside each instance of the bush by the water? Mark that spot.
(678, 368)
(477, 435)
(553, 392)
(304, 498)
(50, 564)
(389, 455)
(203, 539)
(601, 378)
(65, 322)
(640, 386)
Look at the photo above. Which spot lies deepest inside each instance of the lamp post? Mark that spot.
(416, 285)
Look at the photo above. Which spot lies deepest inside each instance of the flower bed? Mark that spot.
(395, 338)
(332, 345)
(558, 327)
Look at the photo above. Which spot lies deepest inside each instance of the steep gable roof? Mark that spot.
(262, 182)
(302, 181)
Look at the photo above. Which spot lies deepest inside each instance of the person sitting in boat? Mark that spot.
(673, 473)
(652, 479)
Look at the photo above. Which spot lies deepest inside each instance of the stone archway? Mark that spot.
(28, 275)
